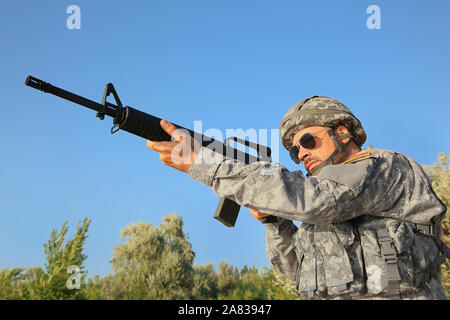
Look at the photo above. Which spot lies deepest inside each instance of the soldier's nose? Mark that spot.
(302, 155)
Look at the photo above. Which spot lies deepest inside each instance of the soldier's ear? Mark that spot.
(341, 130)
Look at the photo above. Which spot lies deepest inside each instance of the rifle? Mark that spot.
(148, 127)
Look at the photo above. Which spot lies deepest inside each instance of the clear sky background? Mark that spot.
(230, 64)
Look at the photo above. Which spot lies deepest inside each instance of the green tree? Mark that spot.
(262, 284)
(9, 279)
(439, 174)
(205, 283)
(228, 279)
(60, 255)
(92, 288)
(35, 283)
(281, 287)
(252, 285)
(155, 263)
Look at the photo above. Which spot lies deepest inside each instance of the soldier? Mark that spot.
(371, 222)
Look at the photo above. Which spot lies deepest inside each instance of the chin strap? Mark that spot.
(338, 149)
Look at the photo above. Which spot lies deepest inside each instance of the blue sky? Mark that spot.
(230, 64)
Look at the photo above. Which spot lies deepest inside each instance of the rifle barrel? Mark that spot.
(48, 88)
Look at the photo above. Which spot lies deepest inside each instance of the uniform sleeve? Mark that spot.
(339, 193)
(279, 248)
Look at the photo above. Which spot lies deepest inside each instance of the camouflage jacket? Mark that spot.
(365, 222)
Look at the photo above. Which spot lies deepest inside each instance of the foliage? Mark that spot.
(228, 279)
(261, 284)
(92, 289)
(205, 283)
(9, 279)
(439, 174)
(158, 264)
(282, 288)
(52, 284)
(153, 264)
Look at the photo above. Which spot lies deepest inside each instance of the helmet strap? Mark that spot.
(339, 148)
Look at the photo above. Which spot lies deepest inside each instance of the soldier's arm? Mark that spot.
(339, 193)
(279, 248)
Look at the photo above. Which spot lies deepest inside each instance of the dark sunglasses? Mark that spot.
(307, 141)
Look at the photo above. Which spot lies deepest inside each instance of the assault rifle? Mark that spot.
(148, 127)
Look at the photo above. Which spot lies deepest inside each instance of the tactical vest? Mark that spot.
(366, 257)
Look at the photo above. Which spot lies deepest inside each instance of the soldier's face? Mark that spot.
(323, 146)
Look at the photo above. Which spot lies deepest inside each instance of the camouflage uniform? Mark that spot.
(368, 225)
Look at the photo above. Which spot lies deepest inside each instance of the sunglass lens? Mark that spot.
(294, 154)
(307, 141)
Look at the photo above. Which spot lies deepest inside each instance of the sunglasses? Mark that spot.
(307, 141)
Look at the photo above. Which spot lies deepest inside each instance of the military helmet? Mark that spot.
(319, 111)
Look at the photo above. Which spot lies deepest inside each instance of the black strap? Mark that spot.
(430, 230)
(423, 278)
(390, 261)
(338, 149)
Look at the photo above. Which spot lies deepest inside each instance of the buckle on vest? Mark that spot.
(390, 261)
(426, 229)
